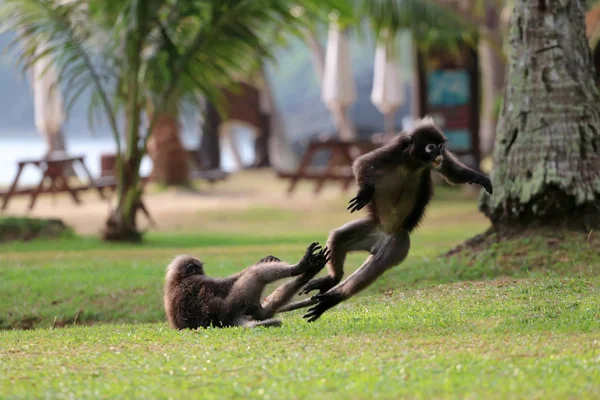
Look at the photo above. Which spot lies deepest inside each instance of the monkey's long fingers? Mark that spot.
(315, 246)
(325, 302)
(309, 288)
(485, 182)
(327, 255)
(352, 203)
(356, 204)
(488, 186)
(313, 314)
(322, 284)
(359, 206)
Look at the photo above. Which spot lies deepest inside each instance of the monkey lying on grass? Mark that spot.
(394, 181)
(192, 299)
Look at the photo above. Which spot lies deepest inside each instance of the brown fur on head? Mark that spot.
(182, 267)
(427, 142)
(179, 284)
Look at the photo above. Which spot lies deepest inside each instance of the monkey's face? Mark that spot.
(434, 154)
(428, 147)
(183, 267)
(192, 266)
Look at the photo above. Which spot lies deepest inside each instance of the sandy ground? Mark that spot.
(176, 209)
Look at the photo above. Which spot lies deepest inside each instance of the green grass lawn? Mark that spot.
(521, 320)
(526, 339)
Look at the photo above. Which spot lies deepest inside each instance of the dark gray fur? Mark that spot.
(193, 300)
(394, 183)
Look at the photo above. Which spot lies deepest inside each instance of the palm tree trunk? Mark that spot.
(261, 144)
(210, 147)
(121, 223)
(55, 143)
(169, 157)
(547, 150)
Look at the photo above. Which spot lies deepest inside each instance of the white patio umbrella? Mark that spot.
(339, 89)
(48, 103)
(387, 94)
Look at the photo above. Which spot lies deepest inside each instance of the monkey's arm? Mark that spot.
(368, 167)
(233, 278)
(457, 173)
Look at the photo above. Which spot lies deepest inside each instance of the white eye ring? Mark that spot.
(430, 147)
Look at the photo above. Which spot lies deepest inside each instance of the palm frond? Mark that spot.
(231, 41)
(431, 24)
(58, 29)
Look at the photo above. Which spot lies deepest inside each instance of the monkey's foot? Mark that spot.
(313, 263)
(321, 284)
(325, 302)
(314, 259)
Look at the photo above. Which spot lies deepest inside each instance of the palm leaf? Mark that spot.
(67, 41)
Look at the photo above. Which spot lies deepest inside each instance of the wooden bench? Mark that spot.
(53, 170)
(338, 168)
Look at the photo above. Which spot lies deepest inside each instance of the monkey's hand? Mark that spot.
(481, 180)
(326, 301)
(363, 197)
(315, 258)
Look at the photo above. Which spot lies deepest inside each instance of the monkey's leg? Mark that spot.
(277, 301)
(357, 235)
(388, 252)
(248, 288)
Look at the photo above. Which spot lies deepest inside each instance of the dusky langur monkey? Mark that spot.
(192, 299)
(394, 182)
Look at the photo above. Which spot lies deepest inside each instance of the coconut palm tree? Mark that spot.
(132, 53)
(547, 153)
(547, 148)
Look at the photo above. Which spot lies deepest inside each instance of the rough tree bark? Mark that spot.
(547, 152)
(261, 144)
(121, 224)
(210, 148)
(169, 157)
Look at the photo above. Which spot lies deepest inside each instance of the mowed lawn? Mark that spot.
(521, 321)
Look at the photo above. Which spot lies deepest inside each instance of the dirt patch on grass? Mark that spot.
(25, 323)
(30, 322)
(25, 229)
